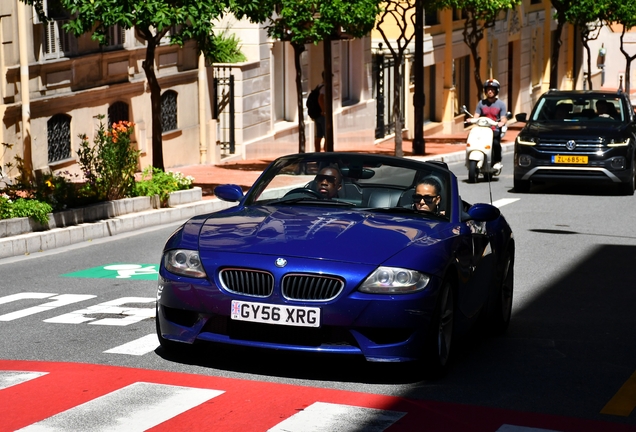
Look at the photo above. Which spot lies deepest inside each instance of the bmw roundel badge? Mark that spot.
(281, 262)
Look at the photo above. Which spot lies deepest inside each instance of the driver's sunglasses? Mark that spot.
(428, 199)
(329, 178)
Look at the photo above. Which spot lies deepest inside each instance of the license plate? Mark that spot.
(563, 159)
(299, 316)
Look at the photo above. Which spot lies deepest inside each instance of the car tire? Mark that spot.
(473, 171)
(440, 333)
(521, 186)
(629, 186)
(500, 315)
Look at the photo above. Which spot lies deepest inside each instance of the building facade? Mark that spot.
(55, 87)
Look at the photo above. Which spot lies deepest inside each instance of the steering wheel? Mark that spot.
(306, 191)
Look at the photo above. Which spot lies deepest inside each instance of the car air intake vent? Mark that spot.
(247, 282)
(311, 287)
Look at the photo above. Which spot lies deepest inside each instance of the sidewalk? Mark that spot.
(447, 148)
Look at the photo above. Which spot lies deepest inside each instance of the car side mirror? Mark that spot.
(521, 117)
(483, 212)
(229, 192)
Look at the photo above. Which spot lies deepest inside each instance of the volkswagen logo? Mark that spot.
(570, 145)
(281, 262)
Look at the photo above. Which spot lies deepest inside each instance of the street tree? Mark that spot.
(561, 7)
(396, 24)
(299, 23)
(584, 15)
(479, 16)
(621, 12)
(153, 20)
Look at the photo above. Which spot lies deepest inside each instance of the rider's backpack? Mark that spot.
(313, 107)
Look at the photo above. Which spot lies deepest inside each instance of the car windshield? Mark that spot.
(579, 108)
(369, 182)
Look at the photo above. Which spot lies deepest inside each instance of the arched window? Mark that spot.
(117, 112)
(169, 111)
(58, 136)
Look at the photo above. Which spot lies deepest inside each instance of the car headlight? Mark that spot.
(394, 280)
(618, 142)
(184, 262)
(525, 141)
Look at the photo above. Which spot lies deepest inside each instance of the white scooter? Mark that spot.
(479, 147)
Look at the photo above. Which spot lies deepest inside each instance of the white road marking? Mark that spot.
(137, 407)
(137, 347)
(116, 307)
(512, 428)
(11, 378)
(24, 295)
(504, 201)
(328, 417)
(58, 301)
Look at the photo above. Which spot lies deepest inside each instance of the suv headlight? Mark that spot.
(184, 262)
(618, 142)
(525, 141)
(394, 280)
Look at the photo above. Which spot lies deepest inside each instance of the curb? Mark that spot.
(26, 244)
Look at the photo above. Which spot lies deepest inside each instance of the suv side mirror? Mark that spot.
(521, 117)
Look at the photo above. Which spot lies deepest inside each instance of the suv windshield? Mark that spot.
(593, 107)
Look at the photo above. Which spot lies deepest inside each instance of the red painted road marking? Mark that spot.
(248, 405)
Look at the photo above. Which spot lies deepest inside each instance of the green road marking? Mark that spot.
(119, 271)
(624, 401)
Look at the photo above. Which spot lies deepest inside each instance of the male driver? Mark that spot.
(494, 109)
(328, 182)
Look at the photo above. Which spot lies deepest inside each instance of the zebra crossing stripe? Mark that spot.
(9, 378)
(137, 347)
(328, 417)
(136, 407)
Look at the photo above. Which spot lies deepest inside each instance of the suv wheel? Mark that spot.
(522, 186)
(628, 187)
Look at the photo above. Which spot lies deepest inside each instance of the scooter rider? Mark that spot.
(493, 108)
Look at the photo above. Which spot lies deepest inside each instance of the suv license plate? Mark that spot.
(299, 316)
(563, 159)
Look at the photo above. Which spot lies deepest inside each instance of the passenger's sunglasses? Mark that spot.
(428, 199)
(329, 178)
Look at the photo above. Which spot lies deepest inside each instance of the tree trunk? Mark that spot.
(298, 49)
(419, 145)
(328, 95)
(554, 57)
(155, 98)
(472, 39)
(586, 46)
(397, 109)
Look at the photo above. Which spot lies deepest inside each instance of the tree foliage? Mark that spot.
(153, 20)
(479, 16)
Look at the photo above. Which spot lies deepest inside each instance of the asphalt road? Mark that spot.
(569, 350)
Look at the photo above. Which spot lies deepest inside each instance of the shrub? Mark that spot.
(157, 182)
(21, 207)
(109, 164)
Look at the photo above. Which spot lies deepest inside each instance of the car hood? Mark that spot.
(572, 129)
(319, 233)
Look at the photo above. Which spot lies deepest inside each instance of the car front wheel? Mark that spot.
(629, 186)
(440, 332)
(500, 317)
(521, 186)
